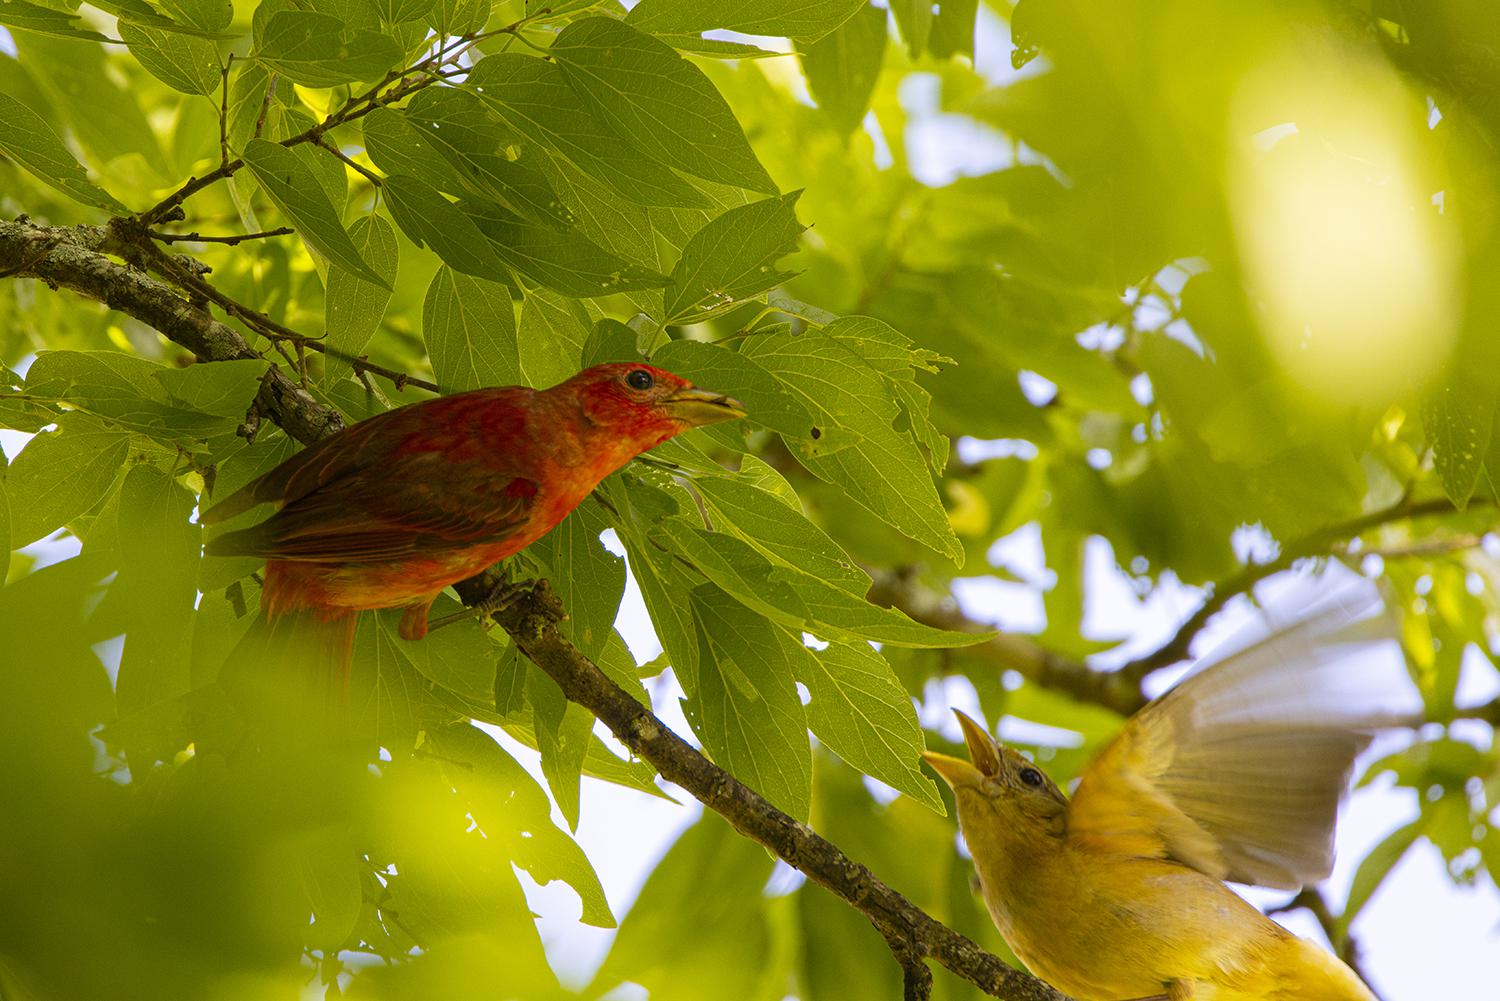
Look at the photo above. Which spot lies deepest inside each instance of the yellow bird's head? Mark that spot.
(1005, 803)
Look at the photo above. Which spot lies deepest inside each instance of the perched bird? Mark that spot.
(391, 510)
(1235, 774)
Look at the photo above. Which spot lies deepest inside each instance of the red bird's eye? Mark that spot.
(640, 379)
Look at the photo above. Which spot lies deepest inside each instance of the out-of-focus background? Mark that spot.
(1203, 297)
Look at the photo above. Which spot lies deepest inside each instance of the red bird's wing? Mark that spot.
(410, 482)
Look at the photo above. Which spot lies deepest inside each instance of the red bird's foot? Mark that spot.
(501, 596)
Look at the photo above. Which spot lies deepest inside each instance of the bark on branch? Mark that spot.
(75, 258)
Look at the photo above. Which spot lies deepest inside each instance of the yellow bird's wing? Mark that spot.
(1238, 771)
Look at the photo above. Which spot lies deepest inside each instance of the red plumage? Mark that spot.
(391, 510)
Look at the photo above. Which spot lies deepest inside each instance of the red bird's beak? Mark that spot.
(697, 407)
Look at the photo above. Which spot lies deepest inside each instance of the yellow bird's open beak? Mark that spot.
(985, 760)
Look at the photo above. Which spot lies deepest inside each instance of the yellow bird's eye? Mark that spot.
(1031, 777)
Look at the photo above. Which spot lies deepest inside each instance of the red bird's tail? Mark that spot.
(306, 650)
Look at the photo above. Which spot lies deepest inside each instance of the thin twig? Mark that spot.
(272, 82)
(75, 259)
(1318, 543)
(232, 241)
(369, 175)
(1425, 547)
(355, 108)
(224, 111)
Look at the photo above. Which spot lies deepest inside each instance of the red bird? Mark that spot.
(390, 511)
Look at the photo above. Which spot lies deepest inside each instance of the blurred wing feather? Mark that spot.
(1238, 771)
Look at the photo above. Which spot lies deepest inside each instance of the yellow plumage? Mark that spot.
(1118, 893)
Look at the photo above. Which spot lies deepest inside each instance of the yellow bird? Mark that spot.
(1235, 774)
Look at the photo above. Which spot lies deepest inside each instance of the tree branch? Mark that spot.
(74, 259)
(1319, 543)
(1120, 690)
(913, 934)
(25, 249)
(1009, 651)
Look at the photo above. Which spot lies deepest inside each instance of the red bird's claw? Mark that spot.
(502, 596)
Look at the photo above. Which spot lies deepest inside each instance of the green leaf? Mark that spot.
(30, 141)
(182, 62)
(397, 146)
(455, 885)
(805, 20)
(317, 50)
(563, 260)
(799, 600)
(386, 692)
(510, 684)
(5, 532)
(534, 97)
(457, 125)
(745, 706)
(45, 20)
(398, 11)
(469, 326)
(552, 333)
(97, 104)
(953, 30)
(590, 580)
(123, 388)
(562, 730)
(782, 534)
(770, 404)
(716, 48)
(296, 191)
(711, 878)
(142, 14)
(221, 388)
(1459, 418)
(205, 15)
(890, 353)
(431, 220)
(842, 67)
(247, 98)
(461, 658)
(353, 307)
(599, 763)
(611, 341)
(1375, 867)
(510, 807)
(657, 101)
(733, 258)
(914, 19)
(450, 18)
(60, 474)
(860, 709)
(662, 582)
(328, 868)
(884, 472)
(158, 584)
